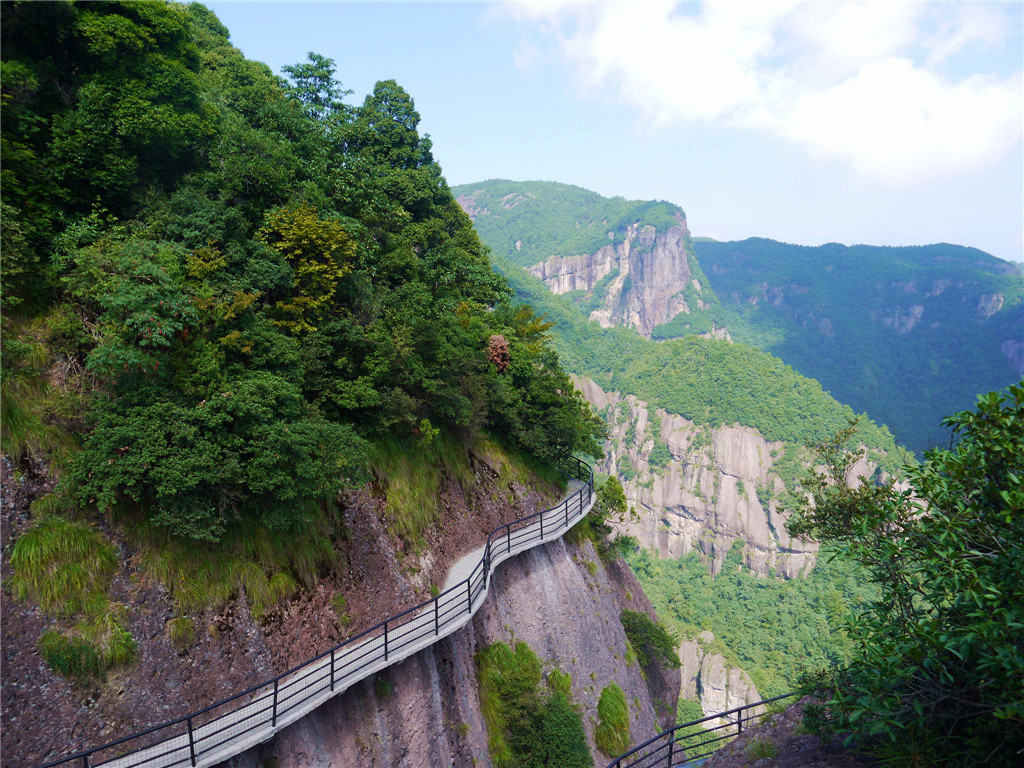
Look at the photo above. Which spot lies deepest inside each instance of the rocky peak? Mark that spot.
(644, 280)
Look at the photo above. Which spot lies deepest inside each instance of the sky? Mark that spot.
(878, 123)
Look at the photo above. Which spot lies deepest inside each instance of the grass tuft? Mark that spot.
(182, 633)
(612, 733)
(60, 563)
(94, 645)
(761, 747)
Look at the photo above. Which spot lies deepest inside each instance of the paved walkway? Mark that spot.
(228, 728)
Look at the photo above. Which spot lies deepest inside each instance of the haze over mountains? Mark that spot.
(905, 334)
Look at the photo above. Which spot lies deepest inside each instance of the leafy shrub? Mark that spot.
(612, 732)
(651, 642)
(525, 726)
(936, 672)
(761, 747)
(94, 645)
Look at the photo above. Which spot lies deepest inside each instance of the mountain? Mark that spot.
(623, 262)
(906, 334)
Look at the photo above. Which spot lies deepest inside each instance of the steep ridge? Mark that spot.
(559, 598)
(623, 262)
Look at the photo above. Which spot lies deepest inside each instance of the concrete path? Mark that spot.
(464, 566)
(230, 727)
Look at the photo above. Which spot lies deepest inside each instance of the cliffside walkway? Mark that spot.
(233, 725)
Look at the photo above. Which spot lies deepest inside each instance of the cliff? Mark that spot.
(561, 600)
(647, 278)
(704, 489)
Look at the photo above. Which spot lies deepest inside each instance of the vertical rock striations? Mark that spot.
(703, 489)
(641, 281)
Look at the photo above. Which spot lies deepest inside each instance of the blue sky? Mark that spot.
(881, 123)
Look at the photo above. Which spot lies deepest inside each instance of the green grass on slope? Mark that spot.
(708, 381)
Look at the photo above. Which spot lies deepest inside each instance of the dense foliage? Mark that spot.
(906, 335)
(772, 628)
(260, 279)
(653, 645)
(529, 221)
(529, 725)
(937, 671)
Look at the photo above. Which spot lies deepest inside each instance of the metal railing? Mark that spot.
(681, 744)
(234, 724)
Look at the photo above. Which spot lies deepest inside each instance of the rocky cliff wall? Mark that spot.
(707, 677)
(710, 488)
(648, 277)
(561, 600)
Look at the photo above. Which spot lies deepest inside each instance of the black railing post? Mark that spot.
(542, 526)
(437, 618)
(508, 536)
(671, 744)
(739, 722)
(567, 514)
(469, 593)
(273, 717)
(332, 668)
(385, 641)
(191, 742)
(85, 761)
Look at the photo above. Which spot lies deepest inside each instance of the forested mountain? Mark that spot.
(907, 334)
(254, 357)
(226, 254)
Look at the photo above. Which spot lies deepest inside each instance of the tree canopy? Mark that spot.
(937, 671)
(262, 279)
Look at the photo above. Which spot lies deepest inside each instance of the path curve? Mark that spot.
(233, 725)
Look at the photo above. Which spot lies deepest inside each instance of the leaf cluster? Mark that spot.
(938, 668)
(272, 280)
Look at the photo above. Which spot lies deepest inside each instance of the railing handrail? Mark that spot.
(566, 462)
(670, 733)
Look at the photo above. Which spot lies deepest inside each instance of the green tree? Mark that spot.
(937, 674)
(313, 83)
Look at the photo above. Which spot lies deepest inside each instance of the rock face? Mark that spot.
(561, 600)
(710, 679)
(649, 278)
(711, 487)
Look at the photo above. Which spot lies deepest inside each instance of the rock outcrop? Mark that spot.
(710, 488)
(649, 278)
(707, 677)
(561, 600)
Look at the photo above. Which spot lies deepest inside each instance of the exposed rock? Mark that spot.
(549, 598)
(652, 277)
(902, 320)
(989, 304)
(718, 486)
(793, 747)
(46, 716)
(1013, 350)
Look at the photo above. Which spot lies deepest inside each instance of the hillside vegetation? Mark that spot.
(227, 296)
(528, 221)
(906, 335)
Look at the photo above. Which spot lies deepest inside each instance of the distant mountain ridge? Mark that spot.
(908, 334)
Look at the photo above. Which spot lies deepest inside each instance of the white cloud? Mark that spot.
(857, 82)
